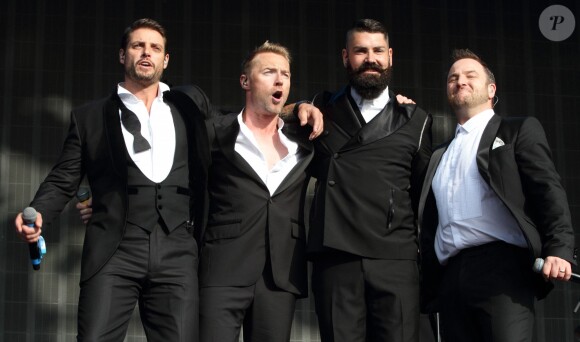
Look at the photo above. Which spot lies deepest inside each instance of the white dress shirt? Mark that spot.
(370, 108)
(470, 213)
(157, 128)
(247, 147)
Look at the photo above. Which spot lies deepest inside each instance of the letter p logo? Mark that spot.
(557, 23)
(557, 19)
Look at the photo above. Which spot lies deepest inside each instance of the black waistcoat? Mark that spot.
(166, 202)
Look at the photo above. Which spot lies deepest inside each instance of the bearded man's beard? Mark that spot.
(369, 86)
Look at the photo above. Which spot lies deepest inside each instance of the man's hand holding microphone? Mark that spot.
(29, 227)
(85, 204)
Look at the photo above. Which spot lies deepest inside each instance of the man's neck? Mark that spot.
(465, 113)
(144, 92)
(260, 123)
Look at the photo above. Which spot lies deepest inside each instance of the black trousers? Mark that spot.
(157, 270)
(265, 311)
(366, 300)
(487, 295)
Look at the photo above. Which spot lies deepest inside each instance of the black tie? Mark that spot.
(132, 124)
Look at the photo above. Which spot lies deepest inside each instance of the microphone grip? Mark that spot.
(539, 265)
(83, 195)
(34, 255)
(34, 252)
(36, 249)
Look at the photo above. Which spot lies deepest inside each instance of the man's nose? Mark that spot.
(461, 80)
(146, 51)
(371, 58)
(279, 79)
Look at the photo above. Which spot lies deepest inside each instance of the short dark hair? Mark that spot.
(458, 54)
(367, 25)
(143, 23)
(266, 47)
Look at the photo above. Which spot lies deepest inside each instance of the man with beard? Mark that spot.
(133, 148)
(369, 164)
(492, 203)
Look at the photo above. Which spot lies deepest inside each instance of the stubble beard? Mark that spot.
(144, 78)
(474, 99)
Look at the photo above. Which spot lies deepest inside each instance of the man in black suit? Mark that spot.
(253, 261)
(492, 203)
(133, 148)
(369, 164)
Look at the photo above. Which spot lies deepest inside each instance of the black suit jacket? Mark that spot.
(95, 147)
(247, 228)
(368, 179)
(523, 176)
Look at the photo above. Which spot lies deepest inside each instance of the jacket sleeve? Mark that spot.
(421, 161)
(63, 180)
(546, 200)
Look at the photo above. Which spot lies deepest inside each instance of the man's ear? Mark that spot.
(344, 57)
(244, 82)
(491, 88)
(165, 61)
(122, 56)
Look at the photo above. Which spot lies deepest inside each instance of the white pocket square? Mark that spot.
(497, 143)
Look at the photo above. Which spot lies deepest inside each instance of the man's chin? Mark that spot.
(150, 76)
(146, 78)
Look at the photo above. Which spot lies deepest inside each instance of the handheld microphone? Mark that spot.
(83, 194)
(539, 264)
(37, 249)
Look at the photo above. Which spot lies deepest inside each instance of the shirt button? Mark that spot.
(336, 155)
(331, 183)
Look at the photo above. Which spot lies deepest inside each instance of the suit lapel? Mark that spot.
(296, 172)
(226, 133)
(346, 132)
(343, 114)
(431, 169)
(487, 138)
(385, 123)
(342, 123)
(117, 146)
(305, 151)
(373, 130)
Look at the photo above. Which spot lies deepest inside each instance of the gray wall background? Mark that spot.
(59, 54)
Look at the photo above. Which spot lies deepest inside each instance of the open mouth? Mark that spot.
(277, 95)
(146, 64)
